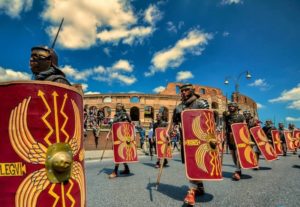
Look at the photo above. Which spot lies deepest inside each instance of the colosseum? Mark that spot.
(143, 107)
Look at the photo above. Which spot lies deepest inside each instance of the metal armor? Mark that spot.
(196, 104)
(121, 116)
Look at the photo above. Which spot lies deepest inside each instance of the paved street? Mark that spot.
(277, 184)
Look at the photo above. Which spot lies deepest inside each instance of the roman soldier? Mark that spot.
(120, 116)
(232, 116)
(252, 122)
(159, 123)
(291, 128)
(267, 129)
(189, 100)
(44, 65)
(282, 139)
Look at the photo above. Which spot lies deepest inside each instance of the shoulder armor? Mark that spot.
(202, 104)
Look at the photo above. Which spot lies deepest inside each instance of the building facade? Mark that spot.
(143, 107)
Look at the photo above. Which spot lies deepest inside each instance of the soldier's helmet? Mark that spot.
(190, 87)
(233, 104)
(120, 106)
(52, 54)
(268, 122)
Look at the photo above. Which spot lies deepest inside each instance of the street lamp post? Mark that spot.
(236, 80)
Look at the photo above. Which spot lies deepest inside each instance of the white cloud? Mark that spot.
(260, 106)
(261, 84)
(13, 8)
(122, 65)
(292, 119)
(174, 56)
(184, 75)
(231, 2)
(288, 95)
(292, 95)
(128, 36)
(100, 73)
(106, 50)
(171, 27)
(152, 14)
(84, 86)
(75, 74)
(128, 80)
(294, 105)
(226, 34)
(110, 21)
(92, 92)
(159, 89)
(10, 75)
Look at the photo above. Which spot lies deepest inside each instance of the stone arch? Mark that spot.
(135, 113)
(107, 99)
(149, 112)
(214, 105)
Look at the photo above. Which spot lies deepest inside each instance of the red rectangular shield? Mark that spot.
(124, 144)
(202, 161)
(277, 142)
(289, 140)
(242, 140)
(220, 138)
(41, 121)
(296, 136)
(263, 143)
(162, 142)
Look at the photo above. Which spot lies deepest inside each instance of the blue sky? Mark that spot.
(115, 46)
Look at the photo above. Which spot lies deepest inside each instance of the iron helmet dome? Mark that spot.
(233, 104)
(52, 54)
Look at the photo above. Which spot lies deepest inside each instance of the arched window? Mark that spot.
(214, 105)
(107, 99)
(202, 91)
(135, 113)
(134, 99)
(107, 111)
(148, 112)
(165, 113)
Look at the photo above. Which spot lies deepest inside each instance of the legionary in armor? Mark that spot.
(291, 128)
(267, 129)
(189, 100)
(282, 139)
(44, 65)
(252, 122)
(120, 116)
(159, 123)
(230, 117)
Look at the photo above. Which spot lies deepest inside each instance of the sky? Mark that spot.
(112, 46)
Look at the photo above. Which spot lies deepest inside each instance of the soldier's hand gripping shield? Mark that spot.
(124, 145)
(202, 160)
(277, 142)
(241, 136)
(263, 144)
(41, 147)
(162, 142)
